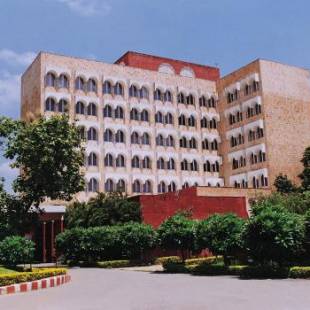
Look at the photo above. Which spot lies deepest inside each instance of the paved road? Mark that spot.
(98, 289)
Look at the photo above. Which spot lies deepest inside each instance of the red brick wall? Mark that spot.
(150, 62)
(156, 208)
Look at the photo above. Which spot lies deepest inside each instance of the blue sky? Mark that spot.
(226, 33)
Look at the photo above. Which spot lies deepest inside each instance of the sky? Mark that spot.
(224, 33)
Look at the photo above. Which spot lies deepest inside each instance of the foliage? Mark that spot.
(178, 233)
(274, 235)
(284, 185)
(264, 272)
(163, 259)
(104, 209)
(174, 264)
(19, 277)
(307, 234)
(115, 263)
(206, 260)
(221, 234)
(299, 272)
(305, 175)
(16, 250)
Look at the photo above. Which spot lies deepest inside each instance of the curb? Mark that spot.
(34, 285)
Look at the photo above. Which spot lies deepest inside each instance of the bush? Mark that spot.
(174, 264)
(115, 264)
(204, 260)
(162, 260)
(264, 272)
(299, 272)
(16, 250)
(19, 277)
(210, 269)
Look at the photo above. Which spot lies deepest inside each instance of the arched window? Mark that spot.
(172, 187)
(107, 87)
(157, 94)
(120, 161)
(211, 102)
(91, 85)
(160, 163)
(121, 186)
(184, 165)
(109, 185)
(135, 138)
(109, 160)
(133, 91)
(92, 134)
(119, 137)
(191, 121)
(107, 111)
(144, 93)
(160, 140)
(134, 114)
(147, 187)
(119, 112)
(162, 187)
(190, 99)
(214, 145)
(181, 98)
(80, 108)
(185, 185)
(213, 123)
(169, 118)
(145, 116)
(118, 89)
(92, 109)
(63, 81)
(93, 185)
(50, 104)
(183, 142)
(204, 122)
(79, 83)
(194, 165)
(170, 141)
(192, 143)
(50, 80)
(202, 101)
(158, 117)
(92, 159)
(205, 144)
(62, 105)
(168, 96)
(136, 186)
(82, 134)
(182, 121)
(217, 167)
(207, 166)
(145, 139)
(108, 135)
(146, 163)
(171, 164)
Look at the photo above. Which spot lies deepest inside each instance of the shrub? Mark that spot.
(162, 260)
(204, 260)
(177, 233)
(115, 263)
(264, 272)
(221, 234)
(16, 250)
(284, 185)
(19, 277)
(174, 264)
(299, 272)
(210, 269)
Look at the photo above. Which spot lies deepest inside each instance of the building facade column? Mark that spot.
(44, 242)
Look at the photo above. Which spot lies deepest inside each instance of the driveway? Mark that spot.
(92, 289)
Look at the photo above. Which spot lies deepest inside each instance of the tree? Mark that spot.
(221, 234)
(274, 235)
(49, 156)
(284, 185)
(305, 175)
(307, 234)
(177, 233)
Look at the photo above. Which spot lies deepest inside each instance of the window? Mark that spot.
(214, 145)
(160, 140)
(92, 159)
(160, 163)
(80, 108)
(213, 123)
(108, 135)
(157, 94)
(118, 89)
(192, 143)
(172, 187)
(82, 134)
(50, 104)
(168, 96)
(202, 101)
(216, 167)
(93, 185)
(170, 141)
(145, 139)
(255, 86)
(194, 165)
(205, 144)
(182, 120)
(133, 91)
(107, 87)
(109, 185)
(147, 187)
(50, 80)
(207, 166)
(119, 112)
(171, 164)
(107, 111)
(63, 81)
(92, 109)
(204, 122)
(169, 118)
(92, 134)
(144, 93)
(211, 102)
(119, 137)
(121, 186)
(159, 117)
(92, 85)
(185, 185)
(183, 142)
(120, 161)
(134, 114)
(62, 105)
(191, 121)
(181, 98)
(161, 187)
(109, 160)
(135, 138)
(145, 116)
(136, 186)
(190, 99)
(184, 165)
(146, 163)
(79, 83)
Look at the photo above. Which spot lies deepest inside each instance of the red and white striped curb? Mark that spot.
(34, 285)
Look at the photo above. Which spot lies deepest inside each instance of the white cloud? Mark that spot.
(88, 7)
(12, 58)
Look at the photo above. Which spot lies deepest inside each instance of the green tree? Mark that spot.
(307, 234)
(274, 235)
(305, 175)
(177, 233)
(221, 234)
(284, 185)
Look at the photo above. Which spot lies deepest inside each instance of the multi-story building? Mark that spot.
(153, 124)
(150, 124)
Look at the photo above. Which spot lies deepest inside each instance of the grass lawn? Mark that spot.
(4, 270)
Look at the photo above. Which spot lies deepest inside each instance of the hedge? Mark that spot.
(264, 272)
(19, 277)
(299, 272)
(202, 260)
(115, 263)
(163, 259)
